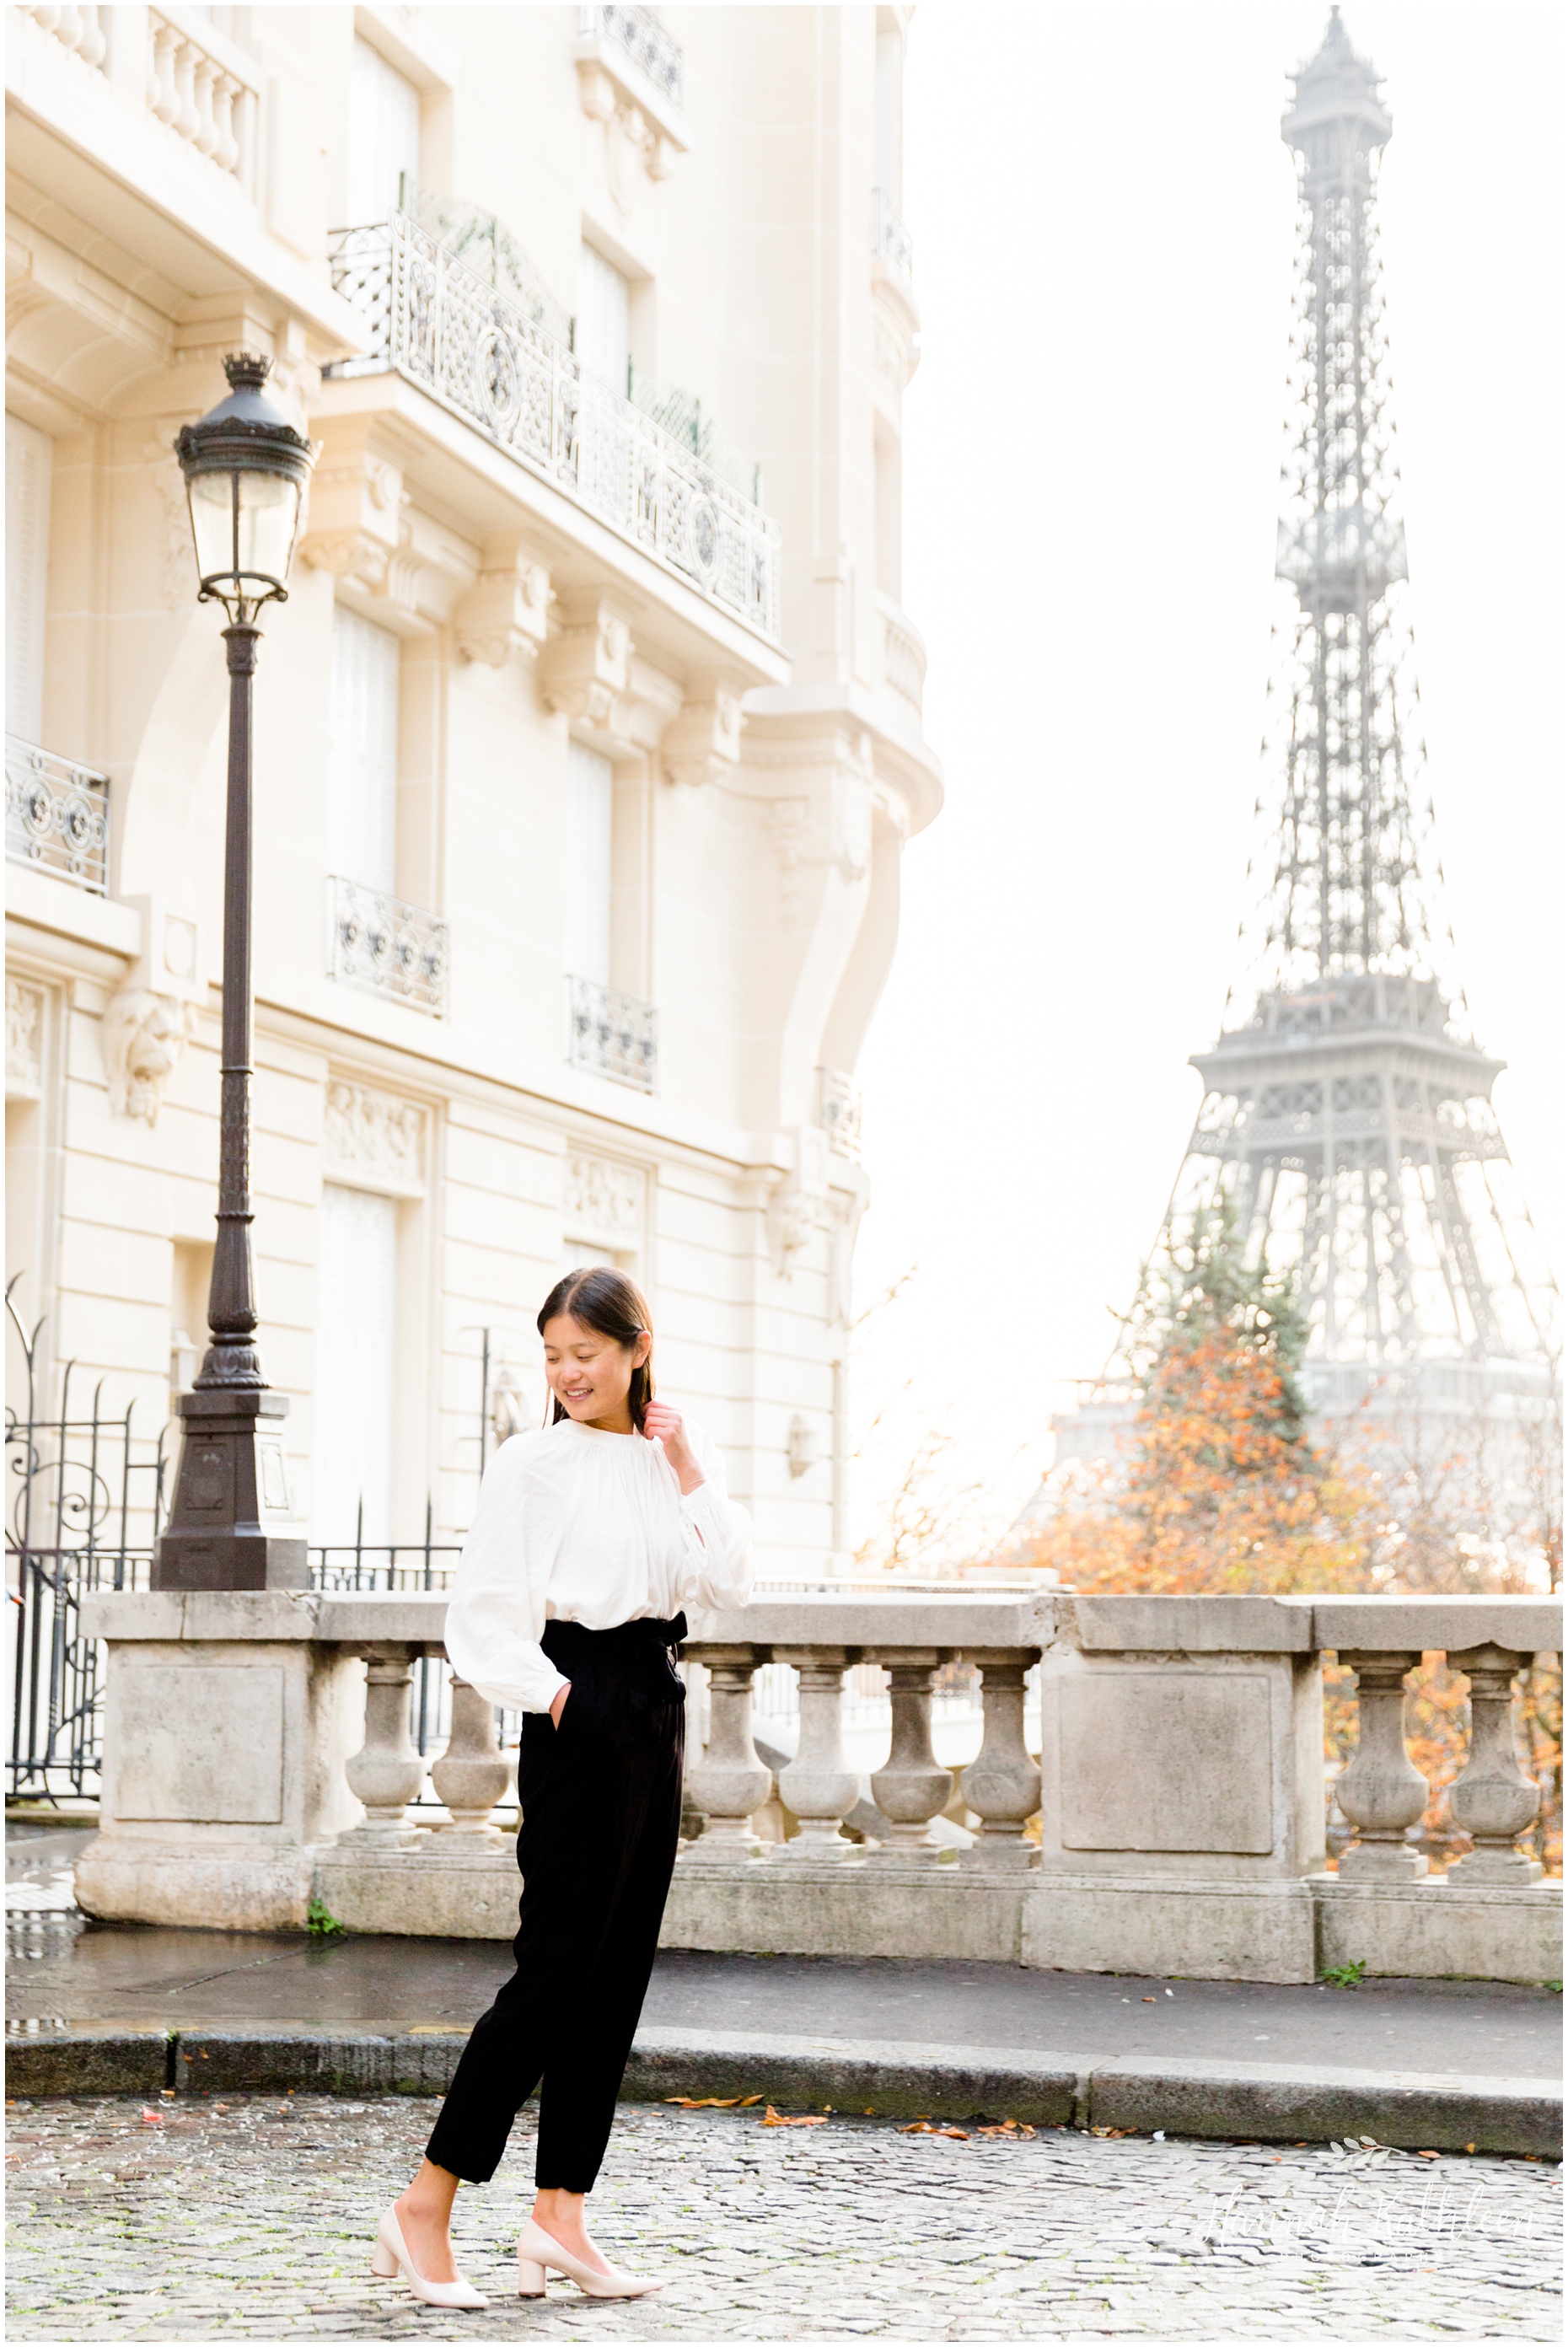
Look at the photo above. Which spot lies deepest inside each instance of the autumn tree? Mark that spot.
(1222, 1488)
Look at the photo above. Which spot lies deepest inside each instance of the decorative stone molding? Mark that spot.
(703, 744)
(789, 822)
(142, 1036)
(356, 503)
(503, 615)
(800, 1447)
(177, 581)
(372, 1140)
(799, 1205)
(851, 848)
(583, 669)
(605, 1201)
(24, 1040)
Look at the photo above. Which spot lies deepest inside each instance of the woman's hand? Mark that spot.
(557, 1702)
(667, 1426)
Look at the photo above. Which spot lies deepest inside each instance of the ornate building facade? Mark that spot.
(588, 741)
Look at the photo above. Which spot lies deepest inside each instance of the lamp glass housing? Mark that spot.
(244, 524)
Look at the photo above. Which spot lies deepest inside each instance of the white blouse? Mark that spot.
(575, 1525)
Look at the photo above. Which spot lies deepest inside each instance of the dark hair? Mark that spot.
(612, 1305)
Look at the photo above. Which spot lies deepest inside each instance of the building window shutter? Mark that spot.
(590, 794)
(362, 765)
(602, 338)
(356, 1327)
(28, 455)
(382, 136)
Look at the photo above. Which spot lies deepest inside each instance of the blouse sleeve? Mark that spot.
(495, 1612)
(720, 1567)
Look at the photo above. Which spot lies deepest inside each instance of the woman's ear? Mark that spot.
(642, 1348)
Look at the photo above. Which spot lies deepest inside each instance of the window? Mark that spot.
(382, 136)
(28, 455)
(362, 765)
(602, 336)
(356, 1313)
(590, 797)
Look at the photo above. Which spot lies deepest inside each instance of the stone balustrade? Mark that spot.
(257, 1754)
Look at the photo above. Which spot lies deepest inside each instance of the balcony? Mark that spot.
(57, 816)
(646, 46)
(481, 355)
(198, 82)
(613, 1034)
(388, 947)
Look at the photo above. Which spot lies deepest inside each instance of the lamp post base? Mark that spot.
(232, 1524)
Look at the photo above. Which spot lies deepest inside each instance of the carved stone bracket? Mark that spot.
(503, 615)
(584, 669)
(142, 1036)
(798, 1205)
(24, 1040)
(356, 501)
(703, 744)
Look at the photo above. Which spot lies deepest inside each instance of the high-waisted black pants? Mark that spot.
(600, 1800)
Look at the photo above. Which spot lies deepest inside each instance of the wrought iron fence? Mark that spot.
(84, 1505)
(381, 943)
(646, 43)
(57, 816)
(613, 1034)
(481, 355)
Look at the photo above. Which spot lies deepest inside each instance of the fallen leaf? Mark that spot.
(151, 2117)
(924, 2127)
(771, 2118)
(710, 2102)
(1151, 2000)
(1428, 2155)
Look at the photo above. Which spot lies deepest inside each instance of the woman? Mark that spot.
(587, 1538)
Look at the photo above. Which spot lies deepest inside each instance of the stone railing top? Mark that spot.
(965, 1619)
(1307, 1625)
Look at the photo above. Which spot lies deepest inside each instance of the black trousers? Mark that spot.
(600, 1800)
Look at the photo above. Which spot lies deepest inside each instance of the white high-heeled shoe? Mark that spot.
(537, 2250)
(390, 2256)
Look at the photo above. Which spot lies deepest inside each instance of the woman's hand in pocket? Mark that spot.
(557, 1702)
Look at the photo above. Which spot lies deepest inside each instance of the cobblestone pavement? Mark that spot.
(253, 2218)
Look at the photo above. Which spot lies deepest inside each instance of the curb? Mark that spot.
(1274, 2102)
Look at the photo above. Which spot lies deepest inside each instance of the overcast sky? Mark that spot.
(1104, 223)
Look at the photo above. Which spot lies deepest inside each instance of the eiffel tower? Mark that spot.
(1348, 1107)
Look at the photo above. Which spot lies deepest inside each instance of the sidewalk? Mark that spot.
(1443, 2064)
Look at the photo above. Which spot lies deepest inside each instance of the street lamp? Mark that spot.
(232, 1525)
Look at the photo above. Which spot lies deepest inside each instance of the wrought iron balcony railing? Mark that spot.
(57, 816)
(390, 948)
(891, 241)
(613, 1034)
(649, 47)
(483, 357)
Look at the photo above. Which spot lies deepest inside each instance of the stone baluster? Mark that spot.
(819, 1784)
(162, 92)
(1491, 1798)
(386, 1772)
(1382, 1791)
(728, 1782)
(226, 147)
(205, 75)
(911, 1787)
(187, 121)
(470, 1777)
(1001, 1784)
